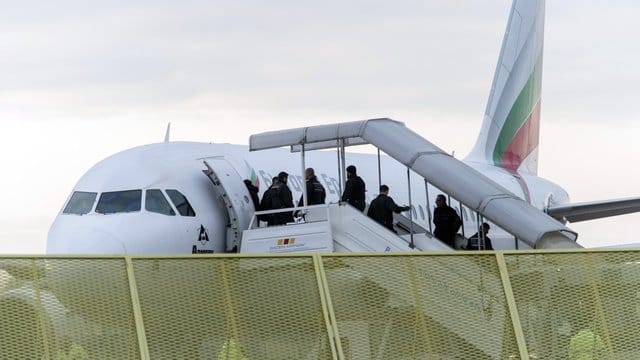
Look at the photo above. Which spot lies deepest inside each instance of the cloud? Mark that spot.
(283, 55)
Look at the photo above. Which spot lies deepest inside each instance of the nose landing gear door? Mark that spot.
(236, 197)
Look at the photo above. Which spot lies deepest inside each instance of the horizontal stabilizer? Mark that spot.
(594, 209)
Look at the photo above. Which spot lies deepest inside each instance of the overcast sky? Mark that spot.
(82, 80)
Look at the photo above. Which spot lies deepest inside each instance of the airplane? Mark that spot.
(155, 199)
(163, 199)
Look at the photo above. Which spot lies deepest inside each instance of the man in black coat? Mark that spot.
(315, 191)
(476, 239)
(354, 189)
(446, 220)
(382, 208)
(282, 199)
(267, 202)
(253, 191)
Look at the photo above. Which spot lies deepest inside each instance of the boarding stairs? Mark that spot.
(336, 227)
(403, 225)
(484, 196)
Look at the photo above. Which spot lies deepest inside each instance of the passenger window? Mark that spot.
(156, 202)
(181, 203)
(80, 203)
(119, 202)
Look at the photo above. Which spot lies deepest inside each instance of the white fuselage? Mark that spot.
(179, 166)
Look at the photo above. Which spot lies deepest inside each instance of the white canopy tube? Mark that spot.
(452, 176)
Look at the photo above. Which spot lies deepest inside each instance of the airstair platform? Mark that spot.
(333, 228)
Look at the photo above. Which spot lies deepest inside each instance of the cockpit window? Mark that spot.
(119, 202)
(156, 202)
(80, 203)
(181, 203)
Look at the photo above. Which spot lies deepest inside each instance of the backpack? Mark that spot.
(276, 199)
(318, 194)
(270, 201)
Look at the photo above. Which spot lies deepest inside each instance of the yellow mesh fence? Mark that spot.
(264, 308)
(420, 307)
(51, 308)
(564, 297)
(528, 305)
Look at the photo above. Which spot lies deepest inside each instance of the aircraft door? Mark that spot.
(230, 187)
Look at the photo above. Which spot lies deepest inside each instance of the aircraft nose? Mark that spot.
(83, 240)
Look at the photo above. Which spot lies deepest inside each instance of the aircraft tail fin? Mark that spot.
(510, 129)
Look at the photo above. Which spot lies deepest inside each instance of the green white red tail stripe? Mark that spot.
(510, 130)
(520, 133)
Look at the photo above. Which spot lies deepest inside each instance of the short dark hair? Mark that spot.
(384, 188)
(282, 175)
(351, 169)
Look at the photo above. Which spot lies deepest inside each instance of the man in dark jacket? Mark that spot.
(476, 239)
(253, 191)
(282, 199)
(382, 208)
(266, 203)
(315, 191)
(446, 220)
(354, 189)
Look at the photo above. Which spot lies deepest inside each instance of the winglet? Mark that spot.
(166, 135)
